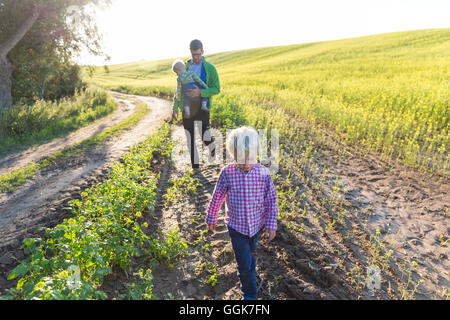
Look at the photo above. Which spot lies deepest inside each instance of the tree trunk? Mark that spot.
(5, 84)
(5, 48)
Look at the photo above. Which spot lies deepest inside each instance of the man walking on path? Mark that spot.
(208, 73)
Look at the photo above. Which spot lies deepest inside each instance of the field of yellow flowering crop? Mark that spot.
(386, 93)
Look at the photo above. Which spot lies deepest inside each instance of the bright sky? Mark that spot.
(141, 29)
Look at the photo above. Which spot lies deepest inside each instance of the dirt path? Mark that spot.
(188, 216)
(283, 266)
(23, 158)
(42, 201)
(188, 280)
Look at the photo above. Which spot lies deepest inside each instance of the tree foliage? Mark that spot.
(43, 60)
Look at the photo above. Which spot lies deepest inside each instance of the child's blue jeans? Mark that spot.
(186, 99)
(244, 247)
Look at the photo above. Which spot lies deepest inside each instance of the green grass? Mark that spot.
(386, 93)
(23, 126)
(13, 180)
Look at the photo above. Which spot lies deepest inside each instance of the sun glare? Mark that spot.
(141, 29)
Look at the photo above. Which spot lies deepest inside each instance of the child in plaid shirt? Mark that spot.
(251, 204)
(186, 81)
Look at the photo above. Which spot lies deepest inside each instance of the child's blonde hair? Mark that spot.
(178, 65)
(243, 142)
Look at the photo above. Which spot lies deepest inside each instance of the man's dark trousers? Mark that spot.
(189, 125)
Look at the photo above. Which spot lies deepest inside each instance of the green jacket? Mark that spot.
(212, 80)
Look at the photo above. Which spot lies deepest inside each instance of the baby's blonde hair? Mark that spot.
(178, 65)
(241, 141)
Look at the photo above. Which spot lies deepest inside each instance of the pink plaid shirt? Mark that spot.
(250, 197)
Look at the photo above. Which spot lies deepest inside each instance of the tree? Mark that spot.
(38, 40)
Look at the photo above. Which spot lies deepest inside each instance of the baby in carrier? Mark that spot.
(186, 81)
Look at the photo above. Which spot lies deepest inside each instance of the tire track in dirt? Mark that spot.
(42, 201)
